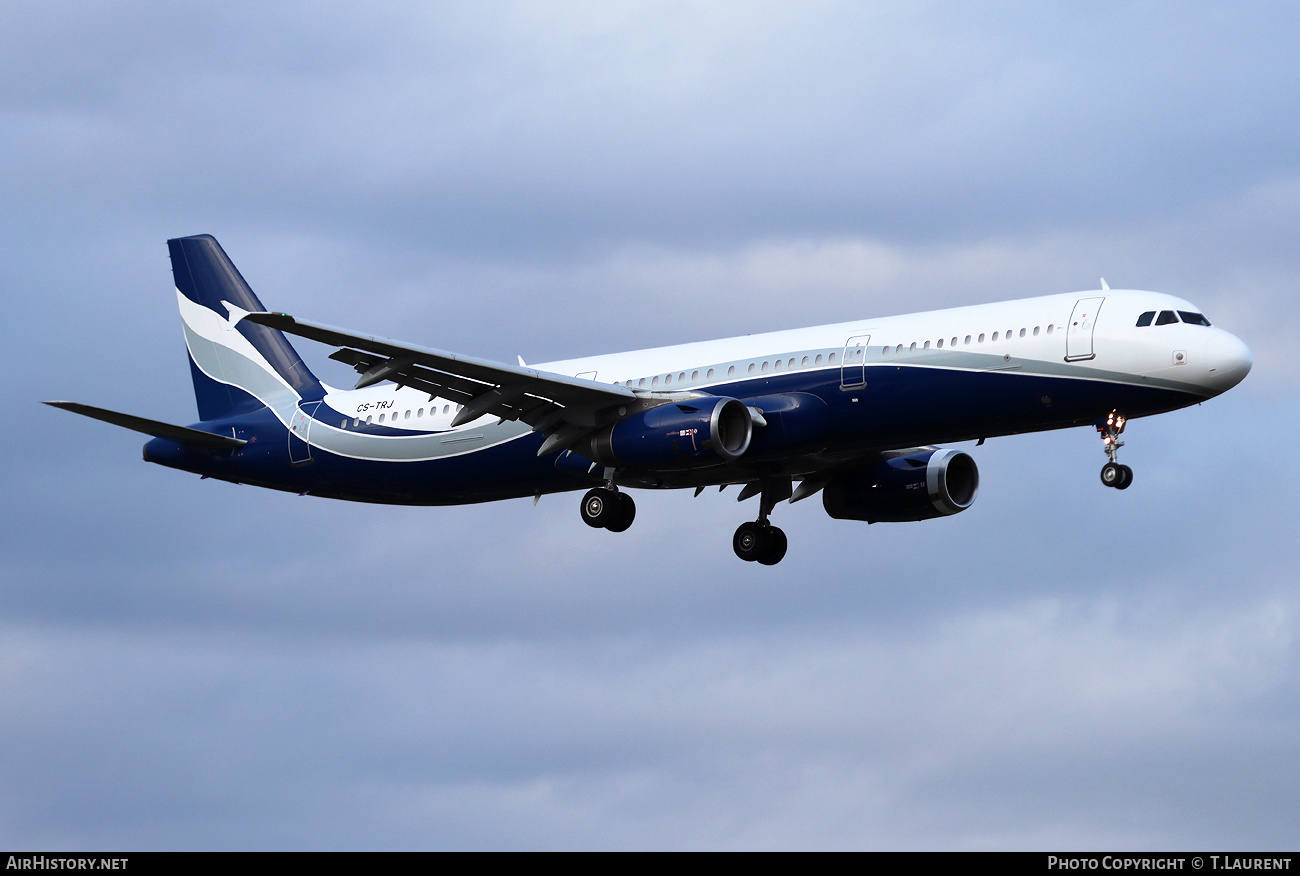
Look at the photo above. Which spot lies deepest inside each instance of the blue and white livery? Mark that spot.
(850, 411)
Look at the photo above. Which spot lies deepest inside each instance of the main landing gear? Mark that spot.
(1112, 473)
(755, 541)
(758, 540)
(607, 508)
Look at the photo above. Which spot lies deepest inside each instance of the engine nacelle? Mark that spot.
(911, 486)
(697, 431)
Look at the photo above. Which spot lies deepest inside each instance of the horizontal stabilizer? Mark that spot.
(179, 434)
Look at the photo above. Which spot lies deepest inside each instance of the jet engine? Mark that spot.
(913, 485)
(695, 432)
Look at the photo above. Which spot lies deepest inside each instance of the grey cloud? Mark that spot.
(520, 130)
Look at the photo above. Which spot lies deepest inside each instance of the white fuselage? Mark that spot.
(1027, 336)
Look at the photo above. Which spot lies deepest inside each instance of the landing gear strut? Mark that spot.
(607, 508)
(1112, 473)
(758, 540)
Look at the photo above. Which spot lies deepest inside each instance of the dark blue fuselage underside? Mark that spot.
(898, 407)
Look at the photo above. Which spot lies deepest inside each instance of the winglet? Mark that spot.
(1105, 287)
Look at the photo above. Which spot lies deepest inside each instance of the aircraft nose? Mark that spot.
(1229, 361)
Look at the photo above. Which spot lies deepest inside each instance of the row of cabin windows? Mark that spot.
(1169, 317)
(806, 361)
(433, 411)
(769, 364)
(979, 339)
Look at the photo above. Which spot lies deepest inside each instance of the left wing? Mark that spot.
(565, 406)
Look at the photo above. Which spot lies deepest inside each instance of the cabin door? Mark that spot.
(299, 430)
(1078, 334)
(852, 366)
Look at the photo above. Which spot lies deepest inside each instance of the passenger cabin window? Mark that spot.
(1145, 319)
(1193, 318)
(1166, 317)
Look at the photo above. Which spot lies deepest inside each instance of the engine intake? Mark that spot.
(696, 432)
(909, 486)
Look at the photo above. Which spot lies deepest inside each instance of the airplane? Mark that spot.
(852, 410)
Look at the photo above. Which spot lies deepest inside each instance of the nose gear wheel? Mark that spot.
(1115, 475)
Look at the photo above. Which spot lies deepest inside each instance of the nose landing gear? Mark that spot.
(1112, 473)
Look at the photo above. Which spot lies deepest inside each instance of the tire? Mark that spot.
(1126, 478)
(598, 507)
(776, 546)
(626, 513)
(1112, 474)
(750, 541)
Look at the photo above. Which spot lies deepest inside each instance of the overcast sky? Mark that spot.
(189, 664)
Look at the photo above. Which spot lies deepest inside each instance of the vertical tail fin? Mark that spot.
(236, 366)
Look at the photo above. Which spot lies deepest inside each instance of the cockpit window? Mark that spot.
(1193, 318)
(1145, 319)
(1166, 317)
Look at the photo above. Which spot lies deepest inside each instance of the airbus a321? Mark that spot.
(850, 411)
